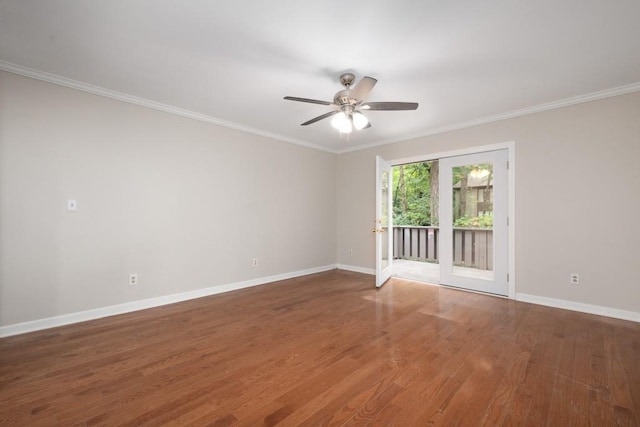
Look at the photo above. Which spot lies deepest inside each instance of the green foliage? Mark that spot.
(411, 198)
(482, 221)
(412, 218)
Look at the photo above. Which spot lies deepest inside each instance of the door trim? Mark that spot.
(510, 146)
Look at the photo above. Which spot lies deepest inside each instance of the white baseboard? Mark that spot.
(581, 307)
(82, 316)
(356, 269)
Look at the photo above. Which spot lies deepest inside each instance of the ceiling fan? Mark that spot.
(348, 104)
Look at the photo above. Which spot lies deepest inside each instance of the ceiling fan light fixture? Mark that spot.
(341, 122)
(346, 126)
(359, 121)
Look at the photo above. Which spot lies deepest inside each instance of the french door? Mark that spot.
(473, 222)
(383, 227)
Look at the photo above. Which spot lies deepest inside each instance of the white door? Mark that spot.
(383, 223)
(473, 222)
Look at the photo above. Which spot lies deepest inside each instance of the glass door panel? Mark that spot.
(473, 222)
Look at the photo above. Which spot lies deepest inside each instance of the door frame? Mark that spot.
(510, 146)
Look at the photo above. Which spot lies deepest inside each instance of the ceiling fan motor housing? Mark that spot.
(343, 99)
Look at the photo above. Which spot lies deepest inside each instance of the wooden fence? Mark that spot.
(472, 247)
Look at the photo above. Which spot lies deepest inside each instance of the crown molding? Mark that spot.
(594, 96)
(120, 96)
(142, 102)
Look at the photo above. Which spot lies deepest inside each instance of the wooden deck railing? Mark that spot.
(472, 247)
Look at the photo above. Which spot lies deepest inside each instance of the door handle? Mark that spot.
(378, 230)
(377, 222)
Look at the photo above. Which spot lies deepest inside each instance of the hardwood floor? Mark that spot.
(328, 349)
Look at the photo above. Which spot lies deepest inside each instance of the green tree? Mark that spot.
(434, 188)
(411, 202)
(416, 194)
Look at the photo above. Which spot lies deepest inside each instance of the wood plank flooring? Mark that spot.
(328, 349)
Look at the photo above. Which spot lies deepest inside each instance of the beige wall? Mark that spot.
(187, 204)
(184, 204)
(577, 201)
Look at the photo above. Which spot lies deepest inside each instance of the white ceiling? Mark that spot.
(233, 62)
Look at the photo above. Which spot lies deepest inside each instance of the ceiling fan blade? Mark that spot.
(317, 119)
(362, 89)
(389, 106)
(311, 101)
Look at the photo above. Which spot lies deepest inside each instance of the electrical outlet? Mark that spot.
(133, 279)
(350, 252)
(254, 263)
(575, 279)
